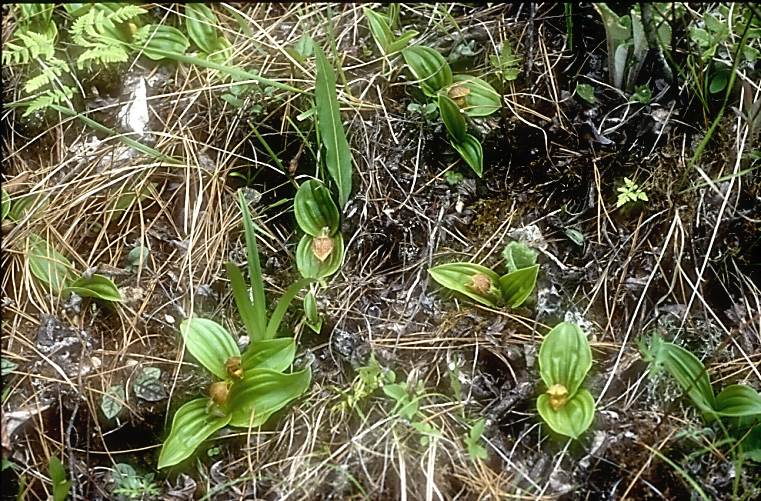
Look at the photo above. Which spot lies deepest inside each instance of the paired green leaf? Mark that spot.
(482, 99)
(262, 392)
(61, 486)
(573, 418)
(429, 67)
(309, 264)
(465, 278)
(738, 400)
(517, 286)
(471, 151)
(98, 287)
(315, 210)
(201, 24)
(209, 343)
(564, 361)
(337, 152)
(190, 427)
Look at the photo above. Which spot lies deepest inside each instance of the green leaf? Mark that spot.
(255, 271)
(315, 210)
(209, 343)
(379, 28)
(159, 39)
(243, 302)
(573, 418)
(262, 392)
(429, 67)
(337, 152)
(274, 354)
(190, 427)
(6, 205)
(7, 366)
(684, 367)
(565, 357)
(290, 293)
(518, 256)
(25, 205)
(475, 450)
(470, 150)
(576, 236)
(47, 265)
(642, 94)
(112, 402)
(310, 266)
(517, 286)
(482, 100)
(402, 41)
(201, 24)
(99, 287)
(738, 400)
(586, 92)
(452, 118)
(312, 319)
(148, 385)
(459, 277)
(61, 486)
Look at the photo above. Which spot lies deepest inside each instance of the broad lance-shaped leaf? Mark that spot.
(471, 151)
(467, 278)
(48, 265)
(99, 287)
(429, 67)
(573, 418)
(190, 427)
(274, 354)
(262, 392)
(738, 400)
(452, 118)
(209, 343)
(337, 152)
(517, 286)
(565, 357)
(314, 209)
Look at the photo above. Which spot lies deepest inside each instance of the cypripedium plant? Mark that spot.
(252, 385)
(564, 360)
(321, 249)
(486, 286)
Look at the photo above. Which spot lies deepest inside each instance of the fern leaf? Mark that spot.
(126, 13)
(48, 98)
(15, 53)
(42, 79)
(38, 45)
(103, 54)
(78, 28)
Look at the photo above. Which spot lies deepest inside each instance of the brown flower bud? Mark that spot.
(458, 94)
(234, 368)
(220, 392)
(558, 394)
(481, 284)
(322, 247)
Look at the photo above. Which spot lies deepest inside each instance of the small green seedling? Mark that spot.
(485, 286)
(630, 192)
(733, 401)
(312, 318)
(586, 92)
(61, 486)
(129, 484)
(507, 64)
(564, 361)
(252, 385)
(380, 28)
(476, 450)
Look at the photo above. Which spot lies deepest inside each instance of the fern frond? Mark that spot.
(126, 13)
(102, 54)
(38, 44)
(78, 27)
(48, 98)
(15, 53)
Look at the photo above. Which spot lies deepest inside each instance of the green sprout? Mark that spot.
(630, 192)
